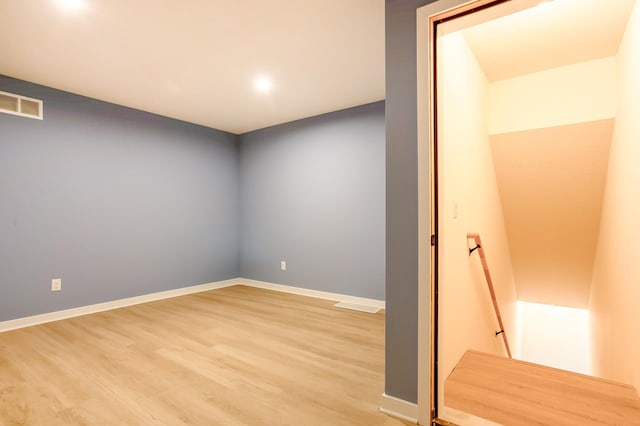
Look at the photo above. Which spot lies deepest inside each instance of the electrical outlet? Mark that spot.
(283, 265)
(56, 284)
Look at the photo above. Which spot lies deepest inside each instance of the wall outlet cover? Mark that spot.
(56, 284)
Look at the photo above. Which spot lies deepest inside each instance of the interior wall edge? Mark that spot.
(402, 205)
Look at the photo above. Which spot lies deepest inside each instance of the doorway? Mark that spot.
(482, 112)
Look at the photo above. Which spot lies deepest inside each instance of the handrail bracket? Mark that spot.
(471, 250)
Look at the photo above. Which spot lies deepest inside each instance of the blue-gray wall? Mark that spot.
(313, 195)
(119, 203)
(114, 201)
(401, 371)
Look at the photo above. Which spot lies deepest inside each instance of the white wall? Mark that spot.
(467, 180)
(555, 336)
(615, 293)
(523, 103)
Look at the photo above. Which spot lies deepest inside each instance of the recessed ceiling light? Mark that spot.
(263, 84)
(71, 4)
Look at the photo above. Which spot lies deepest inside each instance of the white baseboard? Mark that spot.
(115, 304)
(399, 408)
(121, 303)
(380, 304)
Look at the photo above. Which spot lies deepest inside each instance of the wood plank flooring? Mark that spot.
(519, 393)
(234, 356)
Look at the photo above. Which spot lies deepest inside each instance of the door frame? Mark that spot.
(427, 19)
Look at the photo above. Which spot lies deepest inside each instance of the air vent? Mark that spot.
(20, 105)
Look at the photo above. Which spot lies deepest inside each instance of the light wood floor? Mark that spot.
(513, 392)
(234, 356)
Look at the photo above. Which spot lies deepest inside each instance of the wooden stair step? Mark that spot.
(514, 392)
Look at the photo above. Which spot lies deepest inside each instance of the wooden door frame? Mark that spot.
(427, 19)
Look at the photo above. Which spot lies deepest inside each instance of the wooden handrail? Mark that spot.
(487, 275)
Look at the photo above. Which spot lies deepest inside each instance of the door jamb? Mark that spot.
(427, 18)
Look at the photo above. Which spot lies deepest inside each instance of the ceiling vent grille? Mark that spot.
(20, 105)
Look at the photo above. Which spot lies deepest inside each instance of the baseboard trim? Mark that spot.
(399, 408)
(380, 304)
(115, 304)
(130, 301)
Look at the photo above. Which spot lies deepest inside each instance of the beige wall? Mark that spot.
(615, 294)
(522, 103)
(551, 131)
(469, 202)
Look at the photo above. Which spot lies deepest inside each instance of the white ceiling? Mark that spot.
(196, 60)
(551, 35)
